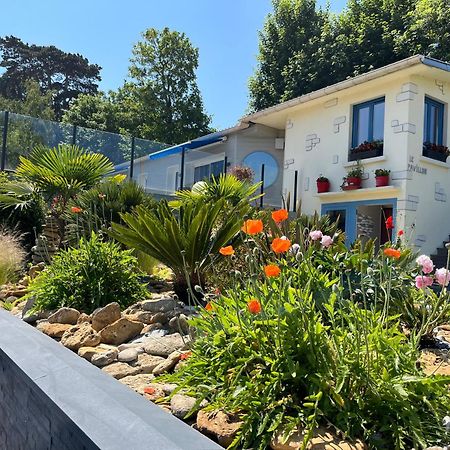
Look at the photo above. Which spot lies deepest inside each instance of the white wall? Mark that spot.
(318, 137)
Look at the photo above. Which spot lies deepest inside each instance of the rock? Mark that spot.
(105, 316)
(322, 439)
(119, 370)
(147, 363)
(128, 355)
(19, 292)
(167, 364)
(181, 405)
(82, 335)
(120, 331)
(179, 324)
(139, 347)
(218, 425)
(164, 346)
(163, 304)
(145, 317)
(54, 330)
(444, 327)
(434, 361)
(89, 352)
(84, 318)
(34, 270)
(29, 317)
(139, 382)
(151, 328)
(65, 315)
(104, 358)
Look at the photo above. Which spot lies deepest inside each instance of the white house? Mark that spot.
(400, 107)
(247, 144)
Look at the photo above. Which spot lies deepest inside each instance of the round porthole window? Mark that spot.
(255, 161)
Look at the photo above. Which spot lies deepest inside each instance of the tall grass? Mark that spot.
(12, 256)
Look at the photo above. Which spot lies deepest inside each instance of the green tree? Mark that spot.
(303, 48)
(293, 30)
(163, 69)
(65, 74)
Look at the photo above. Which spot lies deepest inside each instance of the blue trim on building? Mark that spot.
(355, 124)
(429, 134)
(190, 145)
(350, 213)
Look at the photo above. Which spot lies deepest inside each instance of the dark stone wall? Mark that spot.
(50, 398)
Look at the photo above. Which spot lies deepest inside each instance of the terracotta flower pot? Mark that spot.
(382, 180)
(354, 181)
(323, 186)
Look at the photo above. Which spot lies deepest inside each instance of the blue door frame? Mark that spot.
(350, 214)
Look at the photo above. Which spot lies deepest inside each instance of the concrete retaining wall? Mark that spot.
(50, 398)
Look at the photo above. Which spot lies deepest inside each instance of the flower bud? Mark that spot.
(198, 288)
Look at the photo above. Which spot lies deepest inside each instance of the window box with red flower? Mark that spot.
(366, 150)
(323, 184)
(435, 151)
(353, 179)
(382, 177)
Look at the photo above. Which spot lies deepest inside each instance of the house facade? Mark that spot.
(252, 145)
(402, 111)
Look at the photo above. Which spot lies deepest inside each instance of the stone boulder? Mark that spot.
(165, 345)
(82, 335)
(147, 363)
(54, 330)
(181, 405)
(104, 358)
(65, 315)
(88, 352)
(120, 331)
(322, 439)
(128, 355)
(119, 370)
(163, 304)
(167, 364)
(105, 316)
(138, 382)
(219, 426)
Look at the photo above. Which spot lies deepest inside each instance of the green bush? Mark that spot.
(90, 276)
(101, 205)
(320, 343)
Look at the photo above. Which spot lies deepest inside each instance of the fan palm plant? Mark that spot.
(187, 239)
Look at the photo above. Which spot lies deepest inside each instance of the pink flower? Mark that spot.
(315, 235)
(426, 263)
(442, 276)
(326, 241)
(422, 282)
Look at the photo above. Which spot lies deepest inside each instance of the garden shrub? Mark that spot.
(12, 256)
(313, 337)
(88, 277)
(95, 208)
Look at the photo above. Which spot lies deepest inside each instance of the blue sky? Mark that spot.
(226, 32)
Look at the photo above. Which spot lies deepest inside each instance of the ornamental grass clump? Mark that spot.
(313, 337)
(88, 277)
(12, 256)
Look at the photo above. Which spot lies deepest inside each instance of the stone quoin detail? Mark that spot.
(403, 127)
(440, 85)
(306, 184)
(408, 92)
(311, 140)
(338, 122)
(409, 204)
(288, 162)
(439, 193)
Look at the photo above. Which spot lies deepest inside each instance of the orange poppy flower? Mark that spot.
(252, 226)
(280, 215)
(254, 306)
(76, 209)
(392, 253)
(272, 270)
(281, 245)
(149, 390)
(208, 307)
(227, 251)
(185, 355)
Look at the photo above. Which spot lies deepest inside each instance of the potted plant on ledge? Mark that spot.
(382, 177)
(353, 179)
(435, 151)
(366, 150)
(323, 184)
